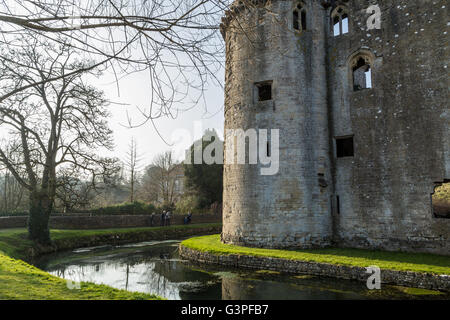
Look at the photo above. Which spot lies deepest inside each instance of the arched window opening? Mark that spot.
(299, 18)
(340, 21)
(362, 75)
(344, 23)
(295, 20)
(303, 16)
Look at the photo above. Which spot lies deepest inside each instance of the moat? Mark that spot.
(155, 267)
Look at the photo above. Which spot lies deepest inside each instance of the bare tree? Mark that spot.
(132, 164)
(161, 176)
(177, 42)
(57, 124)
(13, 193)
(74, 190)
(114, 191)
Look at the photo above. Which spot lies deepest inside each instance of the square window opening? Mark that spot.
(344, 147)
(264, 91)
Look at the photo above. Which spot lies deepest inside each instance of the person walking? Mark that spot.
(163, 218)
(168, 216)
(152, 219)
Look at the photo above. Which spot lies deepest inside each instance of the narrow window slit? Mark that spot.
(295, 20)
(303, 20)
(338, 205)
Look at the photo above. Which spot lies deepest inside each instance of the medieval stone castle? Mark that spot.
(363, 116)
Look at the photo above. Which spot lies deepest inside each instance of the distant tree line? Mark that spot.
(165, 184)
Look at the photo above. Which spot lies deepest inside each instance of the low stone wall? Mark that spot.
(86, 221)
(408, 279)
(13, 222)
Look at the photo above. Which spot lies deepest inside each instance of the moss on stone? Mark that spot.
(418, 291)
(399, 261)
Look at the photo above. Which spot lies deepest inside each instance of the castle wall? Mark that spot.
(289, 208)
(400, 126)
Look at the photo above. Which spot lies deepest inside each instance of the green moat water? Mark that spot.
(155, 267)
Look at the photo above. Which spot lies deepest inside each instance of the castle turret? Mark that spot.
(276, 79)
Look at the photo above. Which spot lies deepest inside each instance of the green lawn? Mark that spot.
(14, 242)
(400, 261)
(19, 280)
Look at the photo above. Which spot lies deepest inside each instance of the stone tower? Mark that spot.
(363, 122)
(290, 208)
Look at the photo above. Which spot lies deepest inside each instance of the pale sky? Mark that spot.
(134, 91)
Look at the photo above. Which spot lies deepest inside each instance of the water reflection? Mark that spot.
(155, 267)
(151, 267)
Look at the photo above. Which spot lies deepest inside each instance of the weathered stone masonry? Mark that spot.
(380, 197)
(403, 278)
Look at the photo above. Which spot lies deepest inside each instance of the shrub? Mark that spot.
(187, 204)
(136, 207)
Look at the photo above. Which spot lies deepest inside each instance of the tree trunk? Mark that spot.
(38, 220)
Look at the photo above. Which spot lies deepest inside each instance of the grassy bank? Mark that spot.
(20, 280)
(15, 244)
(399, 261)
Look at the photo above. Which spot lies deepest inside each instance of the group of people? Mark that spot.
(166, 216)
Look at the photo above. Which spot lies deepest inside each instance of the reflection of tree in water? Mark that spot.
(158, 276)
(80, 273)
(167, 276)
(157, 283)
(155, 270)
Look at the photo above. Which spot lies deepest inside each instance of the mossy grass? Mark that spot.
(399, 261)
(15, 244)
(20, 280)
